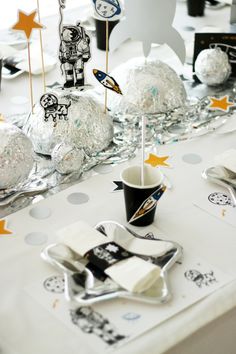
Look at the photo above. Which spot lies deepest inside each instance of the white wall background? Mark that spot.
(8, 13)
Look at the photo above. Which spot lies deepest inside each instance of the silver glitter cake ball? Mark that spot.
(16, 156)
(67, 158)
(148, 86)
(212, 67)
(74, 116)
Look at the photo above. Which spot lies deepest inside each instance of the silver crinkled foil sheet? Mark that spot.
(189, 120)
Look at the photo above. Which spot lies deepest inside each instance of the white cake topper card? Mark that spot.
(74, 50)
(107, 9)
(149, 21)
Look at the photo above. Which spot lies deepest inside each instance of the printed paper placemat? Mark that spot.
(109, 325)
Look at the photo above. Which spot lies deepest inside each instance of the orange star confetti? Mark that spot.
(26, 23)
(221, 104)
(155, 160)
(3, 230)
(223, 213)
(55, 303)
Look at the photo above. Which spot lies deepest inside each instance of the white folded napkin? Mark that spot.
(227, 159)
(133, 274)
(142, 246)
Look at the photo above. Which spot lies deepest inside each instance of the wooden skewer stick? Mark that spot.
(107, 59)
(143, 150)
(30, 78)
(41, 49)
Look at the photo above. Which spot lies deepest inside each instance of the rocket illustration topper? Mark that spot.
(149, 21)
(107, 9)
(107, 81)
(148, 204)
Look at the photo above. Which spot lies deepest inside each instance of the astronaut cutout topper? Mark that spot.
(73, 53)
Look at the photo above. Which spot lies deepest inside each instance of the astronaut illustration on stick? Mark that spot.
(73, 53)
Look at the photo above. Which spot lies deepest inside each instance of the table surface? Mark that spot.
(24, 328)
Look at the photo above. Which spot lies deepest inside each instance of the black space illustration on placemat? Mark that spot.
(227, 48)
(73, 53)
(55, 284)
(119, 186)
(200, 279)
(92, 322)
(219, 199)
(53, 109)
(221, 41)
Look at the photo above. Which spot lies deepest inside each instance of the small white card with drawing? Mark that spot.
(218, 203)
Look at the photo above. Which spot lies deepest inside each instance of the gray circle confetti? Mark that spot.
(103, 169)
(78, 198)
(192, 159)
(40, 212)
(36, 238)
(19, 100)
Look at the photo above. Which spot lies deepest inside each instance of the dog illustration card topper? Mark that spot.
(150, 22)
(53, 109)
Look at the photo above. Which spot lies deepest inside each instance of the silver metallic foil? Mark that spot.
(212, 67)
(87, 126)
(67, 158)
(16, 156)
(149, 86)
(189, 121)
